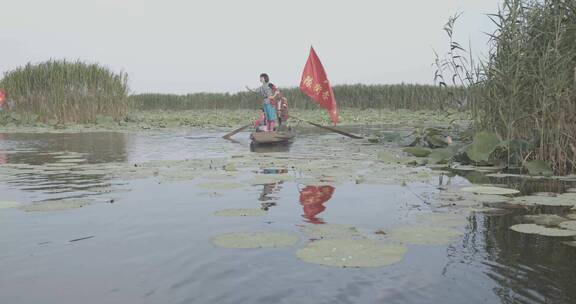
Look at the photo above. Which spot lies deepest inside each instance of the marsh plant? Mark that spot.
(400, 96)
(524, 90)
(61, 91)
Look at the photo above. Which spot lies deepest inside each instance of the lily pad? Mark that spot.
(442, 155)
(483, 145)
(331, 231)
(255, 240)
(542, 230)
(58, 205)
(417, 151)
(8, 205)
(537, 200)
(424, 235)
(544, 219)
(538, 167)
(490, 190)
(570, 225)
(260, 179)
(240, 212)
(230, 167)
(351, 253)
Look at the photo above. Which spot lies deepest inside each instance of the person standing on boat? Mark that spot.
(2, 100)
(269, 92)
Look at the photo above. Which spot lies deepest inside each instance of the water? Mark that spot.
(147, 240)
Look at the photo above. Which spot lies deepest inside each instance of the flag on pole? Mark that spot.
(315, 84)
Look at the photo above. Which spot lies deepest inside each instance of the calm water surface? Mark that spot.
(152, 244)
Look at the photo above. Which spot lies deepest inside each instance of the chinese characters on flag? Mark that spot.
(315, 84)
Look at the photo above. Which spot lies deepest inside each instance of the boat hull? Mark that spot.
(269, 138)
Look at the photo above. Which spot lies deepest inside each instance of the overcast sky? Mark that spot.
(221, 45)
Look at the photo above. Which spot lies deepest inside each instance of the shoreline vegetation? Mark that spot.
(225, 118)
(520, 100)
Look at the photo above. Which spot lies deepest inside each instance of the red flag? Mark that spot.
(315, 84)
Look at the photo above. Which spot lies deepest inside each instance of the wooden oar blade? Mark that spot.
(228, 135)
(331, 129)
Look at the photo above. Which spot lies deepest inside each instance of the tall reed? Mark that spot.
(63, 91)
(529, 89)
(402, 96)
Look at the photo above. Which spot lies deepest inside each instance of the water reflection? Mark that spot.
(269, 195)
(524, 268)
(312, 199)
(57, 163)
(269, 148)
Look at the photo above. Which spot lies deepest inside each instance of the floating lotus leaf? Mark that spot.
(424, 235)
(538, 167)
(532, 200)
(417, 151)
(436, 141)
(477, 168)
(570, 225)
(220, 186)
(255, 240)
(487, 198)
(351, 253)
(331, 231)
(387, 157)
(542, 230)
(58, 205)
(260, 179)
(571, 190)
(174, 175)
(571, 216)
(544, 219)
(547, 194)
(230, 167)
(490, 190)
(483, 145)
(220, 176)
(8, 205)
(443, 155)
(240, 212)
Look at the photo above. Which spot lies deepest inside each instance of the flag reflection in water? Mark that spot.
(312, 199)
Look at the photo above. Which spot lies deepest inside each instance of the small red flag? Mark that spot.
(315, 84)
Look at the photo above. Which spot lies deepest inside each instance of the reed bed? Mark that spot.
(402, 96)
(528, 90)
(63, 91)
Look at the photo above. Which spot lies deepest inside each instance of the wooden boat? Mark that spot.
(272, 137)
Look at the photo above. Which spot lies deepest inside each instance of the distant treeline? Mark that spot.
(400, 96)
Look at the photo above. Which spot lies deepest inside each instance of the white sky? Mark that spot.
(174, 46)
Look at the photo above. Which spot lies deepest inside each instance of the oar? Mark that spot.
(330, 129)
(228, 135)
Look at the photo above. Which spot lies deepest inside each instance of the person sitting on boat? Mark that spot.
(268, 92)
(2, 100)
(260, 123)
(282, 111)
